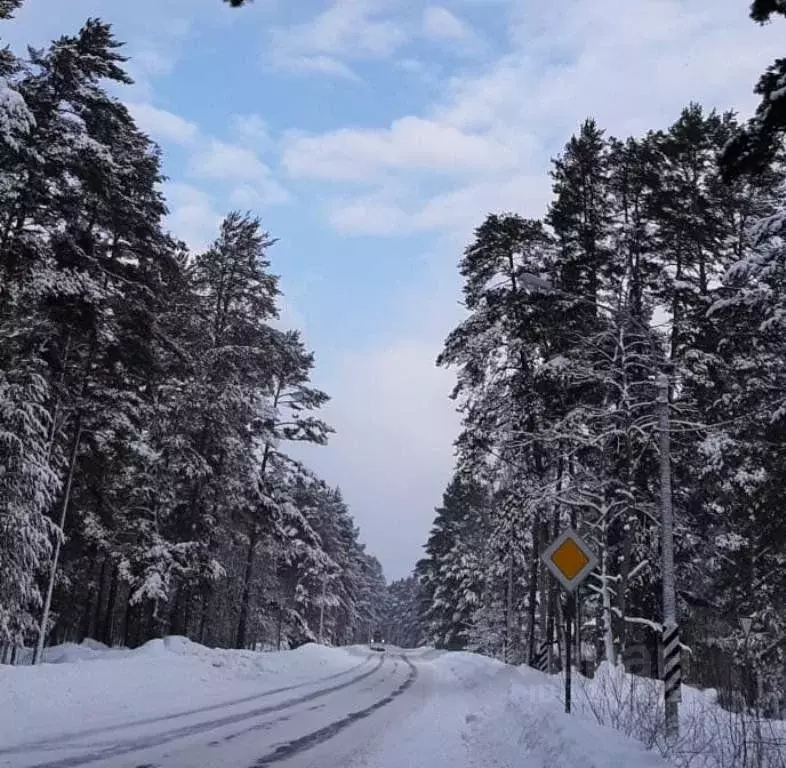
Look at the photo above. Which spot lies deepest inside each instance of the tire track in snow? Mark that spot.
(293, 748)
(158, 739)
(62, 740)
(269, 724)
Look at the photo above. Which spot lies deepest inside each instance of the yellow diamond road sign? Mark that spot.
(570, 559)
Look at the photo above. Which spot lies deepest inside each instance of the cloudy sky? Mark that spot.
(372, 136)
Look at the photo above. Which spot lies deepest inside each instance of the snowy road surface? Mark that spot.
(184, 706)
(275, 727)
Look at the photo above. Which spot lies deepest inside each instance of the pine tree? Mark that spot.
(401, 624)
(448, 582)
(28, 487)
(651, 264)
(147, 399)
(753, 147)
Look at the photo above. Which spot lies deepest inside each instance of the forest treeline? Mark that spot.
(646, 263)
(148, 397)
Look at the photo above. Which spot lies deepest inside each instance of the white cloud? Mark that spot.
(394, 427)
(368, 216)
(162, 125)
(411, 143)
(346, 30)
(632, 66)
(221, 160)
(455, 212)
(440, 24)
(155, 31)
(254, 183)
(320, 64)
(395, 423)
(289, 317)
(193, 216)
(251, 129)
(262, 194)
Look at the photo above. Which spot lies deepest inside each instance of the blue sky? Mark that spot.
(371, 137)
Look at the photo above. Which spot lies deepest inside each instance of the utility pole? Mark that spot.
(39, 648)
(672, 672)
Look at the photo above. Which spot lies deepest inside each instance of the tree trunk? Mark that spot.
(533, 586)
(509, 613)
(203, 617)
(627, 547)
(102, 599)
(127, 616)
(608, 639)
(148, 627)
(553, 624)
(109, 617)
(187, 613)
(245, 601)
(94, 601)
(180, 613)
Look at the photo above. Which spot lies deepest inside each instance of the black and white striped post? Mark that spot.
(541, 660)
(672, 668)
(672, 673)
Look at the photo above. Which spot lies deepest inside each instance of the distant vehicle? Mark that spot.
(376, 637)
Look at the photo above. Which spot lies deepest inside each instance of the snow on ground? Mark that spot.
(484, 714)
(91, 685)
(463, 710)
(710, 736)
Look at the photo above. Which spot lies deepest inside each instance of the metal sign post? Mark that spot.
(570, 560)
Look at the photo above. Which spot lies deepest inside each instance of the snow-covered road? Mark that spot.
(174, 704)
(274, 727)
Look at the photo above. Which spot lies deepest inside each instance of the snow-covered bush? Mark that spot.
(710, 736)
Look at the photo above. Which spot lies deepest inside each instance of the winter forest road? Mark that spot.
(325, 723)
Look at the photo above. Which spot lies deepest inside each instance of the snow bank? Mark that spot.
(710, 736)
(476, 712)
(96, 685)
(523, 723)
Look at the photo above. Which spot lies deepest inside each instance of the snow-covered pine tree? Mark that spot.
(401, 625)
(80, 230)
(556, 383)
(288, 418)
(744, 536)
(448, 574)
(151, 387)
(28, 488)
(28, 482)
(754, 146)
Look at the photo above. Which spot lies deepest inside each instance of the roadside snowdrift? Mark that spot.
(710, 736)
(464, 710)
(495, 716)
(92, 685)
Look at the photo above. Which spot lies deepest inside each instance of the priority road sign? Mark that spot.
(570, 559)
